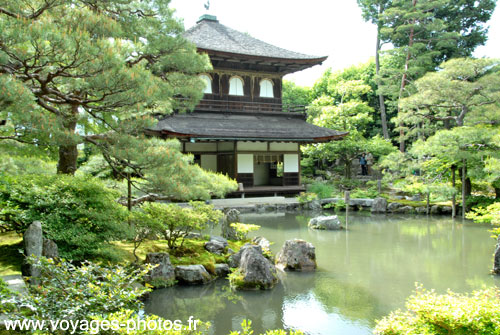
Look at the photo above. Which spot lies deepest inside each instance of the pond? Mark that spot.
(363, 273)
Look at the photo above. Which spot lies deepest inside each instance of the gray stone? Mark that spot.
(257, 271)
(435, 209)
(421, 210)
(219, 239)
(292, 206)
(33, 246)
(194, 236)
(445, 209)
(222, 270)
(379, 205)
(314, 205)
(325, 223)
(297, 255)
(361, 202)
(192, 274)
(50, 249)
(262, 241)
(230, 216)
(393, 206)
(163, 274)
(234, 260)
(404, 210)
(496, 264)
(215, 247)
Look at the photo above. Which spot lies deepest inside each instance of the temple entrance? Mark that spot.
(268, 170)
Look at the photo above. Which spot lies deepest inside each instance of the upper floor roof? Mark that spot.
(225, 44)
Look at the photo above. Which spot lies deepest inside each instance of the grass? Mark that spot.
(192, 252)
(10, 258)
(421, 203)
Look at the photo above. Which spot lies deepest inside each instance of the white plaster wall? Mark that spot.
(291, 163)
(245, 163)
(201, 147)
(209, 162)
(252, 146)
(277, 146)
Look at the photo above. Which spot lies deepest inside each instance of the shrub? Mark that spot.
(322, 190)
(337, 206)
(69, 292)
(304, 197)
(359, 193)
(242, 229)
(246, 326)
(175, 222)
(79, 213)
(448, 314)
(476, 201)
(490, 214)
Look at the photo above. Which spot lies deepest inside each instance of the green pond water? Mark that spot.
(363, 273)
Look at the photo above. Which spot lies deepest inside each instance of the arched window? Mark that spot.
(208, 83)
(235, 86)
(266, 89)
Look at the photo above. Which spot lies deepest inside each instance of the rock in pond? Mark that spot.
(255, 271)
(231, 215)
(222, 270)
(404, 210)
(192, 274)
(297, 255)
(262, 241)
(393, 206)
(496, 264)
(325, 223)
(379, 205)
(163, 275)
(234, 259)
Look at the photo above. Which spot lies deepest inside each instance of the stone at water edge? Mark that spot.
(234, 259)
(393, 206)
(257, 272)
(163, 275)
(262, 241)
(231, 215)
(325, 223)
(214, 247)
(496, 264)
(192, 274)
(297, 255)
(222, 270)
(379, 205)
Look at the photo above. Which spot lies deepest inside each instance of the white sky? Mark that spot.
(332, 28)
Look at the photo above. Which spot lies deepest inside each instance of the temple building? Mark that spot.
(240, 127)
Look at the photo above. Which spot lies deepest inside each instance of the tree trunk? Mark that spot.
(497, 192)
(68, 153)
(403, 80)
(453, 197)
(428, 203)
(464, 174)
(383, 116)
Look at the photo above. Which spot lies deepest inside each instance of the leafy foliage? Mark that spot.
(175, 222)
(448, 314)
(489, 214)
(78, 213)
(246, 326)
(70, 292)
(242, 229)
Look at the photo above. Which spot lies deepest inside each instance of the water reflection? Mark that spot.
(364, 273)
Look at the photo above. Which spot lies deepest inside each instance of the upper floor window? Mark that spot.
(208, 83)
(266, 89)
(235, 86)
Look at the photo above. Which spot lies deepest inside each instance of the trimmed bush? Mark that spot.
(80, 214)
(447, 314)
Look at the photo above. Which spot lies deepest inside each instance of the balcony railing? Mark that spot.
(246, 106)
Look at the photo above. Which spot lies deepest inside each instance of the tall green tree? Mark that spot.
(372, 11)
(83, 71)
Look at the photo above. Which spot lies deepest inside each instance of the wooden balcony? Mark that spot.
(207, 105)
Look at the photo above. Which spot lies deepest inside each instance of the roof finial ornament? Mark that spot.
(207, 5)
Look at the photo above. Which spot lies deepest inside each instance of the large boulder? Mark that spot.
(496, 264)
(231, 215)
(325, 223)
(33, 246)
(50, 249)
(163, 275)
(379, 205)
(255, 271)
(222, 270)
(192, 274)
(404, 210)
(297, 255)
(314, 205)
(234, 259)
